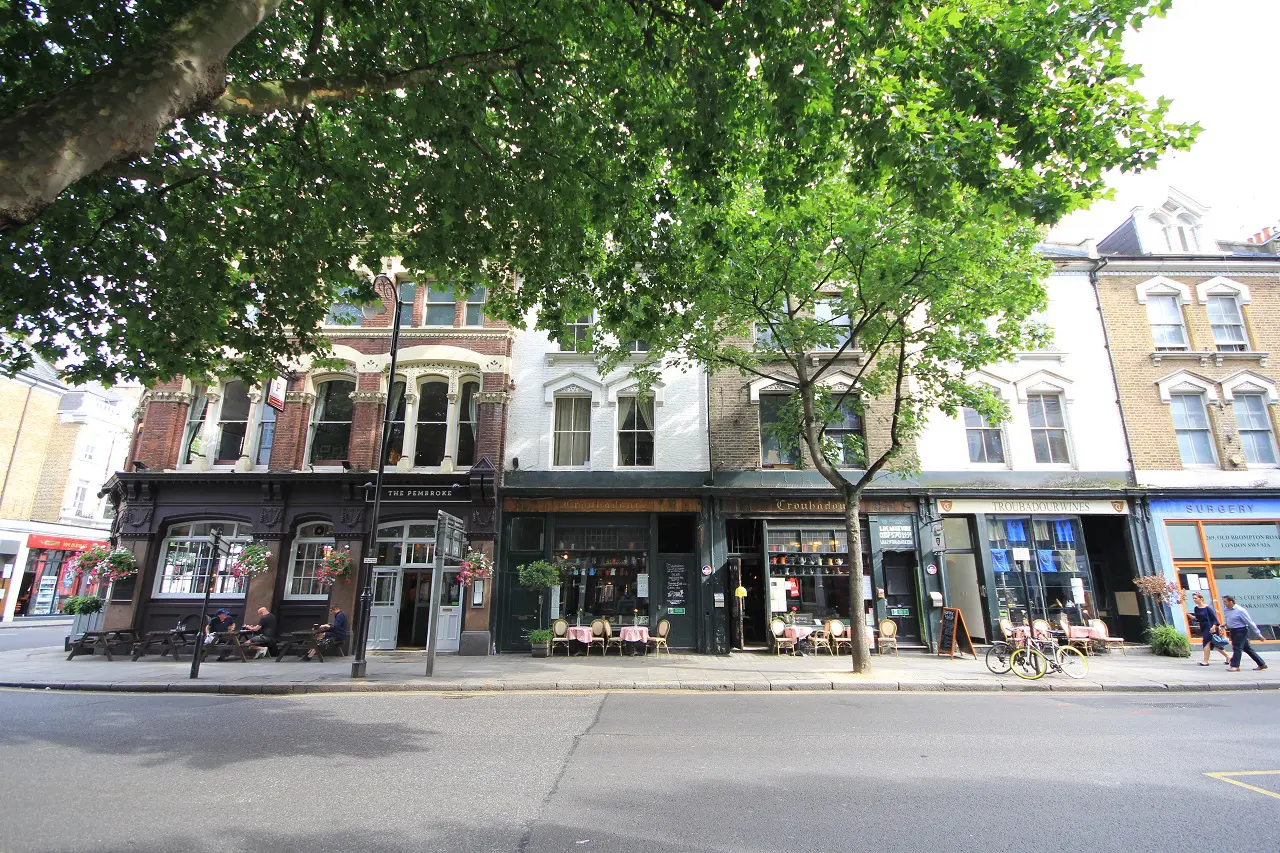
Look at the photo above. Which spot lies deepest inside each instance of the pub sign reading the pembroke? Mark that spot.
(413, 494)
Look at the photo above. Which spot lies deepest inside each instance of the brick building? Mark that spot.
(287, 466)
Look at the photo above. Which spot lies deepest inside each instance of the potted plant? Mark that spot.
(1169, 641)
(252, 560)
(87, 612)
(540, 639)
(540, 575)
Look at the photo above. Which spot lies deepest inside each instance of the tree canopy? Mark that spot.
(186, 187)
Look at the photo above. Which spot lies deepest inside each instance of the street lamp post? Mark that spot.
(359, 665)
(197, 651)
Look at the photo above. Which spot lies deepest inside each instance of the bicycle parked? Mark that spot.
(1032, 656)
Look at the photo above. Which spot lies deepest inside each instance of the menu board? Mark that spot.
(953, 634)
(896, 537)
(677, 585)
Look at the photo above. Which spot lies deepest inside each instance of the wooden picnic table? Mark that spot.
(88, 642)
(224, 642)
(304, 641)
(171, 642)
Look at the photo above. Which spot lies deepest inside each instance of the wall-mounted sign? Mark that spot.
(813, 506)
(897, 537)
(61, 543)
(1033, 506)
(275, 393)
(675, 611)
(602, 504)
(415, 494)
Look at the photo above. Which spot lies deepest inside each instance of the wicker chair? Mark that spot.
(1081, 643)
(599, 636)
(610, 639)
(888, 636)
(659, 636)
(777, 631)
(839, 636)
(1040, 629)
(560, 636)
(1006, 629)
(820, 640)
(1106, 639)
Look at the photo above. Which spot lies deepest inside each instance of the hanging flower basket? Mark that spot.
(252, 560)
(476, 566)
(99, 564)
(334, 566)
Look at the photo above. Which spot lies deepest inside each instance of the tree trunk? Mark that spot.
(117, 113)
(858, 647)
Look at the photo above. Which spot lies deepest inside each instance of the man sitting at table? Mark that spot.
(335, 633)
(264, 633)
(221, 621)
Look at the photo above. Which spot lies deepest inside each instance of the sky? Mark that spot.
(1217, 61)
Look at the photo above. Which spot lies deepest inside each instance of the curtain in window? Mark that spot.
(468, 416)
(572, 431)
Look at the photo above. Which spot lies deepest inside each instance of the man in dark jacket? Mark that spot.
(265, 632)
(335, 633)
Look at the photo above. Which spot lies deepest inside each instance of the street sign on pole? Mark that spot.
(451, 543)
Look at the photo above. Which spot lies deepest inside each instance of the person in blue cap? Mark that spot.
(221, 621)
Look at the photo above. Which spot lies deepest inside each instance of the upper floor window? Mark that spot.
(1167, 327)
(1191, 423)
(1254, 422)
(188, 560)
(233, 421)
(1048, 428)
(635, 431)
(825, 312)
(308, 550)
(1186, 229)
(1166, 231)
(572, 431)
(468, 424)
(343, 314)
(395, 436)
(637, 346)
(845, 430)
(440, 305)
(191, 436)
(266, 434)
(331, 422)
(80, 500)
(475, 306)
(433, 424)
(1228, 324)
(776, 450)
(577, 335)
(986, 442)
(90, 451)
(408, 291)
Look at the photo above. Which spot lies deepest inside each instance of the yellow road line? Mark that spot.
(1224, 776)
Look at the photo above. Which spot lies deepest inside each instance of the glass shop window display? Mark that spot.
(1041, 568)
(608, 574)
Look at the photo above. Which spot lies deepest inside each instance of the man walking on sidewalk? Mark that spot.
(1240, 626)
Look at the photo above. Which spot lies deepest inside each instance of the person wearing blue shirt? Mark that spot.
(1239, 626)
(1207, 618)
(335, 633)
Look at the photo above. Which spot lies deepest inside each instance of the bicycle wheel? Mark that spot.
(1072, 662)
(998, 658)
(1028, 663)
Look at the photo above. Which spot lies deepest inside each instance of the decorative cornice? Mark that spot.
(368, 396)
(380, 332)
(299, 397)
(169, 397)
(501, 397)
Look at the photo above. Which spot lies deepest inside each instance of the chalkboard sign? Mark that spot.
(677, 585)
(954, 632)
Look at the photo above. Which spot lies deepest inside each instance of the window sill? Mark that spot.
(1206, 357)
(193, 596)
(315, 598)
(554, 358)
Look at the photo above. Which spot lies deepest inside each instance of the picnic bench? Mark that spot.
(169, 642)
(224, 643)
(301, 642)
(109, 641)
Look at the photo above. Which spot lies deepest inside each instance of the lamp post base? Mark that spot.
(358, 668)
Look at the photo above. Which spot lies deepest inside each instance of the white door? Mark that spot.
(450, 614)
(384, 616)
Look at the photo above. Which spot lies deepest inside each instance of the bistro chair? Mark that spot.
(1081, 643)
(839, 639)
(778, 629)
(659, 636)
(599, 636)
(1006, 628)
(610, 640)
(888, 636)
(820, 640)
(1106, 639)
(560, 636)
(1040, 629)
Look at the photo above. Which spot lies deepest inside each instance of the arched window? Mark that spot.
(468, 419)
(1166, 230)
(188, 560)
(331, 422)
(233, 421)
(395, 440)
(308, 551)
(433, 424)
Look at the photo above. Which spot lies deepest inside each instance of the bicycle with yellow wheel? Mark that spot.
(1041, 656)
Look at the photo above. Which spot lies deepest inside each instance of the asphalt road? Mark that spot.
(32, 638)
(636, 772)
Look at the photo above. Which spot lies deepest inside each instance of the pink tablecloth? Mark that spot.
(581, 633)
(799, 632)
(1087, 632)
(634, 634)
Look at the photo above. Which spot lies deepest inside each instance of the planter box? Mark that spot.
(82, 622)
(541, 650)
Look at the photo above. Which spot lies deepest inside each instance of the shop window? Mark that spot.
(433, 424)
(527, 534)
(192, 434)
(308, 550)
(572, 440)
(468, 423)
(1227, 323)
(986, 443)
(845, 434)
(956, 534)
(233, 421)
(1041, 568)
(1184, 541)
(1168, 330)
(1191, 423)
(440, 302)
(809, 569)
(1048, 428)
(395, 429)
(475, 306)
(331, 422)
(1254, 422)
(1242, 560)
(266, 434)
(635, 431)
(577, 335)
(608, 573)
(188, 560)
(777, 450)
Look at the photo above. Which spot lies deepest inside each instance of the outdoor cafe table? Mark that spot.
(105, 640)
(170, 642)
(581, 633)
(800, 632)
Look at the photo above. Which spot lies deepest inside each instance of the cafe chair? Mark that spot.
(1106, 639)
(777, 629)
(659, 636)
(839, 639)
(1081, 638)
(599, 636)
(888, 636)
(1040, 629)
(1006, 628)
(560, 636)
(611, 641)
(820, 640)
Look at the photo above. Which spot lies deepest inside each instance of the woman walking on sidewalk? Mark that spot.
(1210, 624)
(1240, 626)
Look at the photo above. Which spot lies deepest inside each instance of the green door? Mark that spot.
(679, 598)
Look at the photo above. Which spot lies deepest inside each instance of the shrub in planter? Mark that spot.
(1169, 641)
(541, 641)
(82, 605)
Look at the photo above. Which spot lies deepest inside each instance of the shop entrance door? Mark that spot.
(678, 602)
(384, 613)
(415, 611)
(900, 595)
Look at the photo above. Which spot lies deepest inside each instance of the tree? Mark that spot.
(185, 188)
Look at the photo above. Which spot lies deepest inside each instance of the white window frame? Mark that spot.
(471, 302)
(193, 430)
(985, 427)
(438, 287)
(1269, 428)
(308, 546)
(209, 432)
(579, 331)
(1066, 434)
(579, 399)
(823, 312)
(235, 536)
(1155, 299)
(413, 402)
(1207, 430)
(1231, 345)
(80, 500)
(406, 541)
(760, 432)
(313, 423)
(619, 431)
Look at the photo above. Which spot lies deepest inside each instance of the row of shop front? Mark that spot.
(718, 566)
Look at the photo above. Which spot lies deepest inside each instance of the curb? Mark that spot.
(783, 686)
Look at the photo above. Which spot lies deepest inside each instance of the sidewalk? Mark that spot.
(403, 671)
